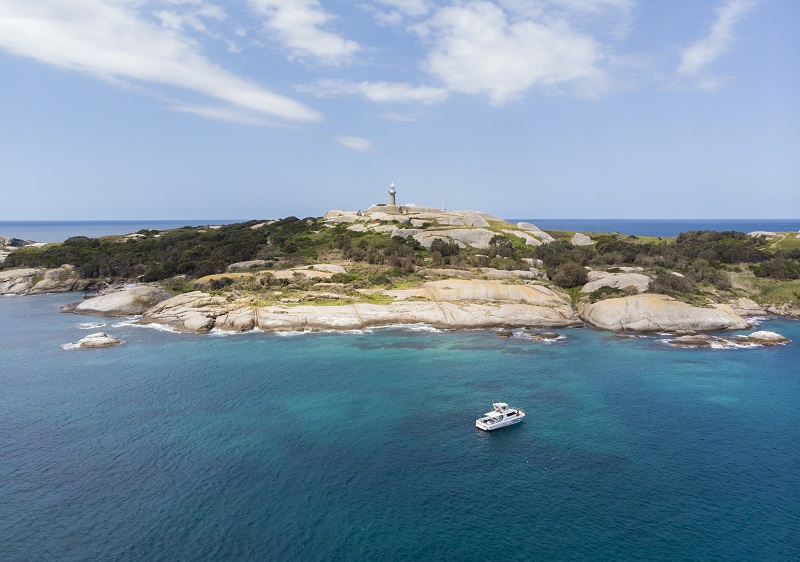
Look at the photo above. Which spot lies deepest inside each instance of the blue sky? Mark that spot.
(161, 109)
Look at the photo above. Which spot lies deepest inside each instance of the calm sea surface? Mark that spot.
(58, 231)
(362, 446)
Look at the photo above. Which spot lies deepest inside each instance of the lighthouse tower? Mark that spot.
(392, 191)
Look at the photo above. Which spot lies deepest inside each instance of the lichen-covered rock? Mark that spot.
(659, 313)
(129, 301)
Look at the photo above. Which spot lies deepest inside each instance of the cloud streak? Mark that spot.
(354, 143)
(698, 56)
(111, 41)
(298, 25)
(379, 92)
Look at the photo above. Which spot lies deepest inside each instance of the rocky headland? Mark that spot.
(506, 281)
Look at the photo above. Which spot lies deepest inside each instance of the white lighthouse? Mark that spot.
(392, 192)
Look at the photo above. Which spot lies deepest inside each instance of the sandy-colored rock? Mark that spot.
(98, 339)
(129, 301)
(581, 239)
(659, 313)
(616, 280)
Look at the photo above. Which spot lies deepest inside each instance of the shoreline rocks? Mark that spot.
(127, 302)
(659, 313)
(37, 281)
(762, 337)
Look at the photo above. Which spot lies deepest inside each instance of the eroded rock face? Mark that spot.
(18, 281)
(601, 279)
(659, 313)
(475, 237)
(34, 281)
(98, 339)
(747, 307)
(130, 301)
(450, 303)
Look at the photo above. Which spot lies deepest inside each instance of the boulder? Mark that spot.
(241, 265)
(475, 237)
(617, 280)
(535, 230)
(659, 313)
(129, 301)
(581, 240)
(699, 340)
(765, 337)
(529, 240)
(98, 339)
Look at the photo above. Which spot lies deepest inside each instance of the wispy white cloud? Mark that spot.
(112, 41)
(379, 92)
(298, 25)
(701, 54)
(477, 49)
(354, 143)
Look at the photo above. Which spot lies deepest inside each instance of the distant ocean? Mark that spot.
(58, 231)
(663, 227)
(362, 446)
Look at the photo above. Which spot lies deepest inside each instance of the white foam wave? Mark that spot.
(68, 346)
(129, 321)
(91, 325)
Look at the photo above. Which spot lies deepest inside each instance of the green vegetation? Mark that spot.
(709, 262)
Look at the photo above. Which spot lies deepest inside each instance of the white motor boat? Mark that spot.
(501, 416)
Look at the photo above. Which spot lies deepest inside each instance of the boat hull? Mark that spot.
(505, 423)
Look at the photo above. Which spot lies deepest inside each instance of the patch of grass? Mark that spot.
(766, 291)
(785, 242)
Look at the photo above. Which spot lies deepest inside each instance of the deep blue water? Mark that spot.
(363, 446)
(58, 231)
(664, 227)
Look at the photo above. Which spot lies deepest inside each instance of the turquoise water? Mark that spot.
(363, 446)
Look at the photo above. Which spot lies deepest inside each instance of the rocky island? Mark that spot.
(390, 265)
